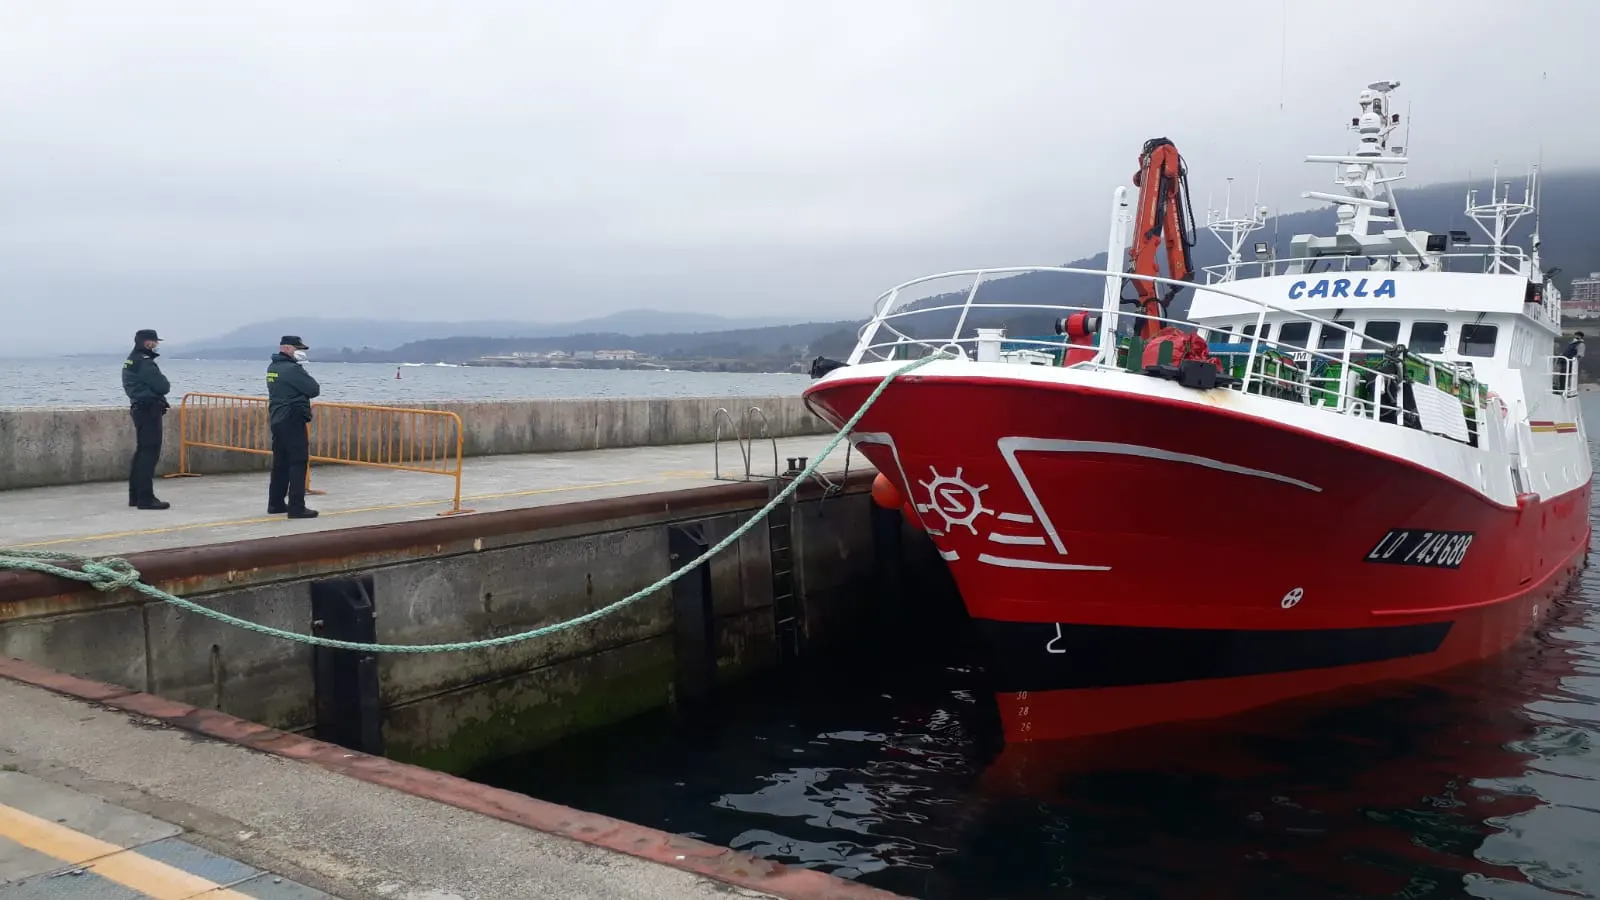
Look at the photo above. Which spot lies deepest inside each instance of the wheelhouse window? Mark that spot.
(1294, 335)
(1249, 331)
(1333, 338)
(1427, 337)
(1387, 332)
(1478, 340)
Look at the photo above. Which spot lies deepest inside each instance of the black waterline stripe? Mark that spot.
(1096, 656)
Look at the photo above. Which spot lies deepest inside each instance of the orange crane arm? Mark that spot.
(1164, 218)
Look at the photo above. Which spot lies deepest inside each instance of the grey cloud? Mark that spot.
(194, 167)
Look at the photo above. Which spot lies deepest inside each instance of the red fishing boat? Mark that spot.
(1362, 461)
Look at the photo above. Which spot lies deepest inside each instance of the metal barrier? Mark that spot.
(384, 437)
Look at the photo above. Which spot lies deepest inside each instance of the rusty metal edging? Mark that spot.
(698, 857)
(183, 563)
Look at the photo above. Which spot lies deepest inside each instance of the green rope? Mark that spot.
(115, 573)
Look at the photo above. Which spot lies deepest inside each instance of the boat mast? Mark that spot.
(1365, 176)
(1496, 219)
(1232, 230)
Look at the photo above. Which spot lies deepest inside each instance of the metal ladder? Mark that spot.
(751, 427)
(786, 609)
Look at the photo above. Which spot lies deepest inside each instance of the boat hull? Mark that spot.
(1134, 555)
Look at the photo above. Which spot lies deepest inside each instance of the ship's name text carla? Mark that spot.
(1339, 287)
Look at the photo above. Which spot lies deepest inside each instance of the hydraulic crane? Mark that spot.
(1164, 218)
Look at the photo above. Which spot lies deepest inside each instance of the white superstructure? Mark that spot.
(1319, 338)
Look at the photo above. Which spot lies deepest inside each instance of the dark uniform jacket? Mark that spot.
(142, 379)
(290, 389)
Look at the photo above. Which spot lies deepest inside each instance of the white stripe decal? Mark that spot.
(1016, 517)
(887, 440)
(1009, 447)
(1046, 445)
(1024, 539)
(1033, 564)
(950, 555)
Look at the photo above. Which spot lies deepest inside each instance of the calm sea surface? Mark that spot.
(1483, 782)
(95, 382)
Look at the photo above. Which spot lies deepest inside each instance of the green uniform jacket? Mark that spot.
(290, 389)
(142, 379)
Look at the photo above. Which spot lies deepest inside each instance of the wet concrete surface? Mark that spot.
(95, 519)
(135, 781)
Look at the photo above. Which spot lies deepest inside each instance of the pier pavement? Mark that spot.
(99, 803)
(94, 519)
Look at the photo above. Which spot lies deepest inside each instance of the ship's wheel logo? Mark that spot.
(956, 501)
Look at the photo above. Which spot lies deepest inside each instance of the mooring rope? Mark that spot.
(115, 573)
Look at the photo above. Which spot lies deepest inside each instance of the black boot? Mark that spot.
(302, 513)
(153, 503)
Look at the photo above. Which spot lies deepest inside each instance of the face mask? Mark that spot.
(299, 356)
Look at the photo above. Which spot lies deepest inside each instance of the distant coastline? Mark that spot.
(61, 382)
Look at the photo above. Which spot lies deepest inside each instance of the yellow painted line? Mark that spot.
(175, 529)
(126, 867)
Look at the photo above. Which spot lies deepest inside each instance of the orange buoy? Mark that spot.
(885, 494)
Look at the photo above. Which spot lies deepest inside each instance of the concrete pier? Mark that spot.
(95, 519)
(547, 558)
(145, 798)
(217, 741)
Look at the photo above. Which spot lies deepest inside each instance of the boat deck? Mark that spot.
(95, 519)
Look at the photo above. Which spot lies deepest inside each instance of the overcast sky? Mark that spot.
(196, 166)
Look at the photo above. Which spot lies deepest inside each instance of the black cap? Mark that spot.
(294, 341)
(145, 334)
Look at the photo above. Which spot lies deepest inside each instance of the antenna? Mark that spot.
(1497, 217)
(1232, 230)
(1283, 56)
(1538, 196)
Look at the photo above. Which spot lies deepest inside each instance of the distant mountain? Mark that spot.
(387, 334)
(1570, 243)
(777, 343)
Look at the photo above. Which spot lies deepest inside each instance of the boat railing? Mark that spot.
(1563, 375)
(1352, 376)
(1482, 261)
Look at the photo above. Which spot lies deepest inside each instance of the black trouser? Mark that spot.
(146, 451)
(291, 452)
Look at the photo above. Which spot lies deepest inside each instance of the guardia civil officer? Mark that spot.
(290, 389)
(147, 388)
